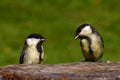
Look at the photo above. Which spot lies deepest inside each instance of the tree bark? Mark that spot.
(68, 71)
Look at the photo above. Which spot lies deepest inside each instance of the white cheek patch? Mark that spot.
(32, 41)
(86, 30)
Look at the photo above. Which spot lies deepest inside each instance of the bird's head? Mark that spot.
(83, 30)
(34, 39)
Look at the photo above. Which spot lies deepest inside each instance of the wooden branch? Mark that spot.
(69, 71)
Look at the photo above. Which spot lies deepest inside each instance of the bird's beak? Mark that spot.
(43, 39)
(76, 37)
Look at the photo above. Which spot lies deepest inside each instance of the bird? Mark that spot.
(32, 52)
(91, 42)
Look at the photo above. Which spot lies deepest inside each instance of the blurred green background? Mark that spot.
(57, 20)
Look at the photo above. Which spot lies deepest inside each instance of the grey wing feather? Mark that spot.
(22, 55)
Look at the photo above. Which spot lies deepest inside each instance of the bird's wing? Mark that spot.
(102, 41)
(22, 55)
(100, 37)
(41, 51)
(42, 54)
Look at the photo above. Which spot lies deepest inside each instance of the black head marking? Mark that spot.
(81, 27)
(84, 25)
(35, 35)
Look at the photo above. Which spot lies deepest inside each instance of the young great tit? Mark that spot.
(91, 42)
(33, 50)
